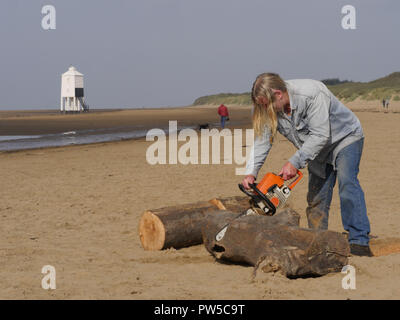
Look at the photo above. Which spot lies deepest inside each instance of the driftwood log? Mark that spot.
(180, 226)
(276, 244)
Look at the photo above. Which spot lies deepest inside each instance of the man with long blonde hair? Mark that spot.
(329, 139)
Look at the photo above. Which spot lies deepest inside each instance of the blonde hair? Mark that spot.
(263, 100)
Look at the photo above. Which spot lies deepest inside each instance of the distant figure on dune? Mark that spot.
(223, 112)
(383, 103)
(387, 104)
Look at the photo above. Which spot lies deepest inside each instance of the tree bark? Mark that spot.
(180, 226)
(276, 244)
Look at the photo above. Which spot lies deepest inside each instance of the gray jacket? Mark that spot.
(319, 127)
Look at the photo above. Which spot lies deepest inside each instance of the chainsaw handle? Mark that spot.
(242, 188)
(262, 195)
(299, 176)
(258, 193)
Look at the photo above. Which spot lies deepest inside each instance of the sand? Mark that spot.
(45, 122)
(77, 208)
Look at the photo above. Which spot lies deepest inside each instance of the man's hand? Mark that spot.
(288, 171)
(248, 180)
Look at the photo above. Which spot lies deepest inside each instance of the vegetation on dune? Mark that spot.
(225, 98)
(334, 81)
(382, 88)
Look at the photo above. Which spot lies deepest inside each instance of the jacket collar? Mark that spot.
(292, 99)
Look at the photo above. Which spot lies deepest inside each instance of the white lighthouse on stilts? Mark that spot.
(72, 95)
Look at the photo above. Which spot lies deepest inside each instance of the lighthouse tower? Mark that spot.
(72, 97)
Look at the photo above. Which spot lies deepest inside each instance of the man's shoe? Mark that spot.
(359, 250)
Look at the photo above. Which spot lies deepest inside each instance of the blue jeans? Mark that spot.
(352, 202)
(223, 119)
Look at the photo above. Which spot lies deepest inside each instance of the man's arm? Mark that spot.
(259, 152)
(319, 127)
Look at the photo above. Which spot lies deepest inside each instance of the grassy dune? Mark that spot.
(383, 88)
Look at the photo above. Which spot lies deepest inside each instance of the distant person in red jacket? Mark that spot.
(223, 112)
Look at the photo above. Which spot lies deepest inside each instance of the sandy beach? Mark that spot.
(47, 122)
(77, 208)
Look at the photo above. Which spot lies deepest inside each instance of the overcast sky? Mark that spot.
(151, 53)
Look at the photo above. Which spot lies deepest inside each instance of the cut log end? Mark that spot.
(151, 232)
(180, 226)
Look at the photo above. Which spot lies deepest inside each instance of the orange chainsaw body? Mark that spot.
(271, 192)
(268, 181)
(271, 180)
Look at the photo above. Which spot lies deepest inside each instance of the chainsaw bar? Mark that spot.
(222, 232)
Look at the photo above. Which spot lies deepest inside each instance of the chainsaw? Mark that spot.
(266, 197)
(271, 193)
